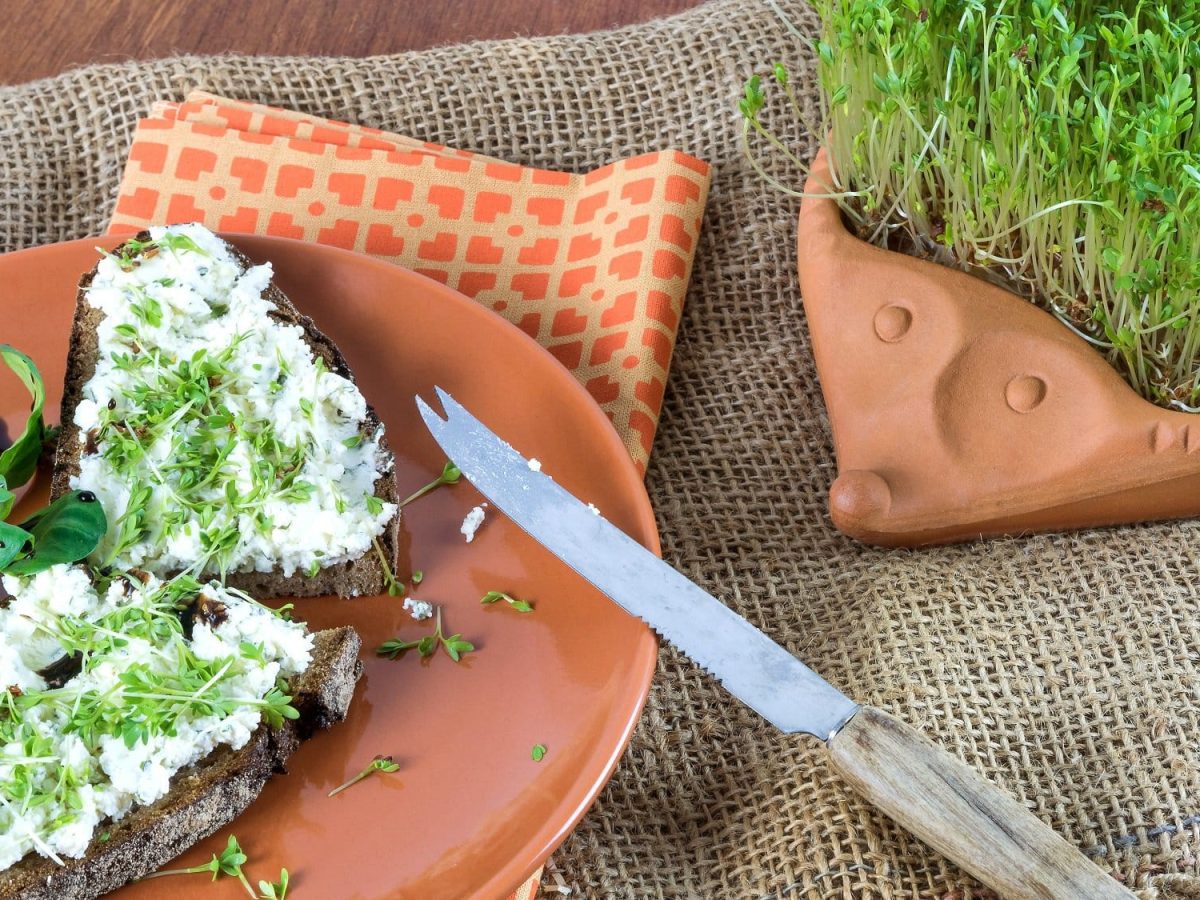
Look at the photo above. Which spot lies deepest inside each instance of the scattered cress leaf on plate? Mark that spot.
(274, 890)
(384, 764)
(538, 752)
(450, 475)
(455, 645)
(521, 606)
(229, 862)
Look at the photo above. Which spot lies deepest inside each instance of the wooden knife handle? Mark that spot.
(956, 811)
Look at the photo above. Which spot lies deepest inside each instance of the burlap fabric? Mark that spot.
(1066, 668)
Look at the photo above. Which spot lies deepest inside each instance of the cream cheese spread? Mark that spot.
(138, 700)
(213, 436)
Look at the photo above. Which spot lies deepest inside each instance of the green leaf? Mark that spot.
(12, 541)
(274, 890)
(538, 752)
(518, 605)
(456, 646)
(19, 461)
(64, 532)
(6, 499)
(232, 858)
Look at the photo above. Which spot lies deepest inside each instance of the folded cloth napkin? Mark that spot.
(594, 266)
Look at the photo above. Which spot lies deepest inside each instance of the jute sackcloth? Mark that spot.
(1065, 668)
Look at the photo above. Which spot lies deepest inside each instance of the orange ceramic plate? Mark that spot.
(469, 814)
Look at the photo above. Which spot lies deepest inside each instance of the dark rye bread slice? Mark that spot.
(204, 797)
(362, 576)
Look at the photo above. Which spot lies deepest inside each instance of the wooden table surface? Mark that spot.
(45, 37)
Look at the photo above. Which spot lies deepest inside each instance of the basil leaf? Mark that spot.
(19, 461)
(12, 541)
(65, 531)
(6, 500)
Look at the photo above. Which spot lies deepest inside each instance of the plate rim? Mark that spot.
(644, 657)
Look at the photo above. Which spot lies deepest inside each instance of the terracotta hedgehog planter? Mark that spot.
(961, 411)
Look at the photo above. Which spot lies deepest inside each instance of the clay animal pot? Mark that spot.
(961, 411)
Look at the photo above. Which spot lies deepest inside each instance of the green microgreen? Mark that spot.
(538, 752)
(177, 242)
(450, 475)
(519, 605)
(394, 587)
(190, 406)
(229, 862)
(418, 576)
(274, 890)
(1051, 146)
(384, 764)
(454, 645)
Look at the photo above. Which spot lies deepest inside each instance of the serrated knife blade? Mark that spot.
(926, 790)
(755, 669)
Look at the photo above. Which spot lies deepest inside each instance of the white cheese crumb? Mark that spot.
(535, 464)
(595, 510)
(419, 608)
(472, 522)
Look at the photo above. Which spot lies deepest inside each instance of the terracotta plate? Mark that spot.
(470, 814)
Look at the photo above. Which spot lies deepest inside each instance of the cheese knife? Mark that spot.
(929, 792)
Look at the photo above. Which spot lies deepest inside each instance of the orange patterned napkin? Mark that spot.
(594, 266)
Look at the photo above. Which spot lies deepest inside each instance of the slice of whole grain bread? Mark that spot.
(355, 577)
(204, 797)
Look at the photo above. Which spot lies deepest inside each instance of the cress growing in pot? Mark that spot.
(1050, 146)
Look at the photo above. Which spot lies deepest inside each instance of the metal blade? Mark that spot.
(752, 667)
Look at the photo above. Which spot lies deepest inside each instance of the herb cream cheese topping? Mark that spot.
(214, 438)
(104, 696)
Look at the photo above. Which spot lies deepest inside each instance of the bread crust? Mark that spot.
(204, 797)
(356, 577)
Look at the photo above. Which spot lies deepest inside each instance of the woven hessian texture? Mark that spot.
(1063, 667)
